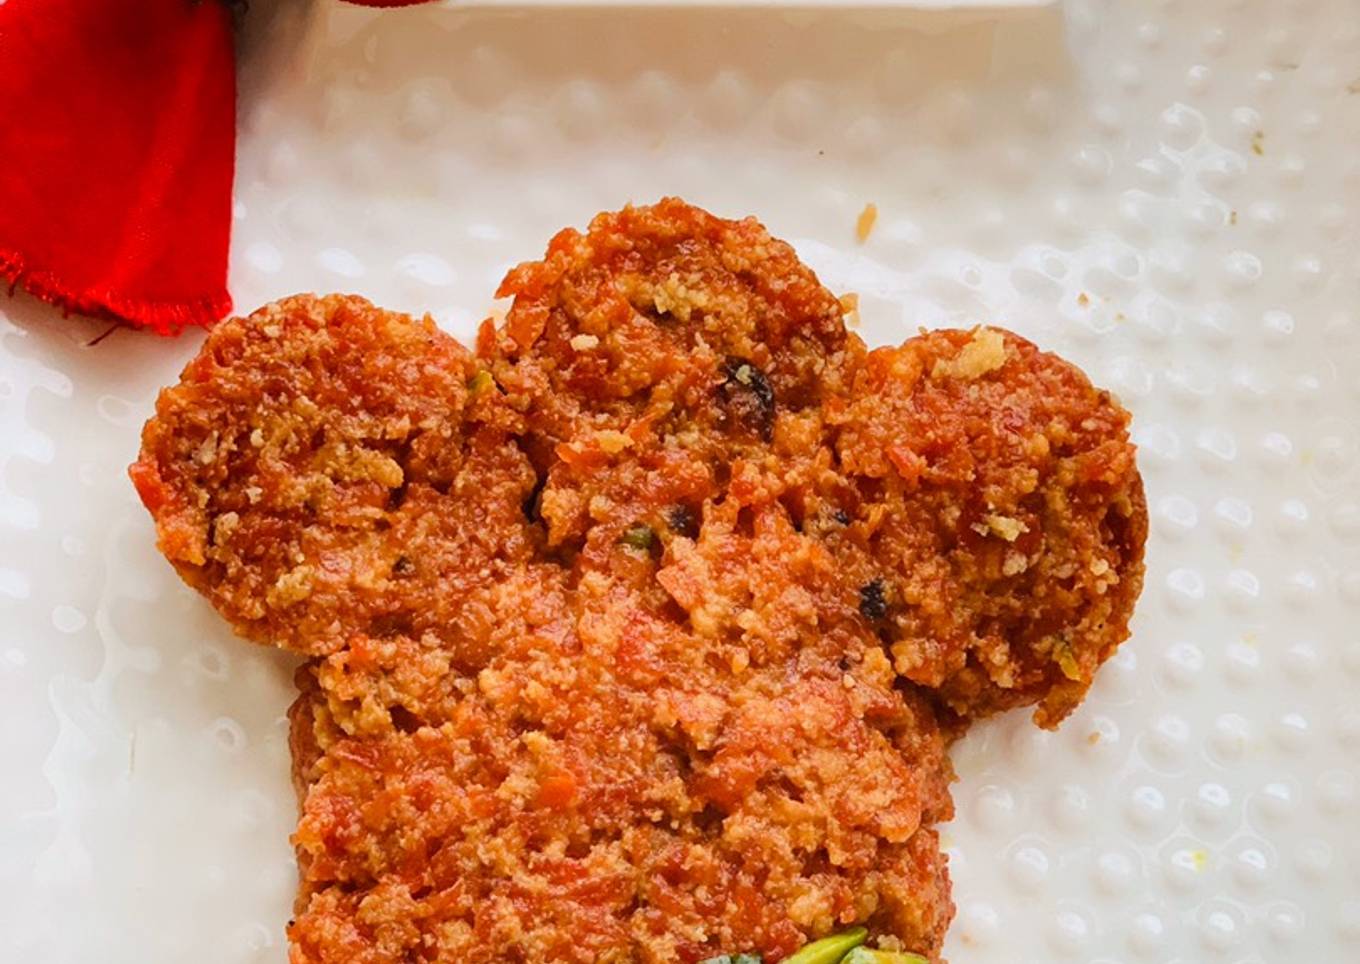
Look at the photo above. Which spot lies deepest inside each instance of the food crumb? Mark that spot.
(291, 587)
(612, 441)
(1006, 527)
(1258, 143)
(850, 308)
(1083, 299)
(1014, 564)
(207, 450)
(864, 226)
(1093, 737)
(1232, 218)
(986, 352)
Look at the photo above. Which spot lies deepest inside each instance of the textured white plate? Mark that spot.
(1168, 193)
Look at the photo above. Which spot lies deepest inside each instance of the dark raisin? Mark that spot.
(872, 603)
(841, 516)
(683, 521)
(531, 501)
(750, 396)
(403, 566)
(403, 719)
(388, 625)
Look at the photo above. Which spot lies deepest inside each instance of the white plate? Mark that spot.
(1166, 192)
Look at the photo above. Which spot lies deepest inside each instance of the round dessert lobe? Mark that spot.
(668, 311)
(1001, 518)
(323, 470)
(657, 352)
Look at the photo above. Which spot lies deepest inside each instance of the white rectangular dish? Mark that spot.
(1167, 193)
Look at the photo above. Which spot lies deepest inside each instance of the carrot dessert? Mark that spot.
(641, 633)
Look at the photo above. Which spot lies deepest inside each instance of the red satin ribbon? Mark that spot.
(118, 152)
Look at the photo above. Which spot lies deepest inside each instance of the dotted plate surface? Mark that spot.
(1166, 192)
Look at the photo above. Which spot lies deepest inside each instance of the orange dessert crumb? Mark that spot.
(864, 224)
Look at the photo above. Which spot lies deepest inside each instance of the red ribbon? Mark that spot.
(118, 148)
(117, 154)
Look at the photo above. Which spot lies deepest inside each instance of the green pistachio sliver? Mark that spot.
(862, 955)
(1067, 660)
(480, 382)
(734, 959)
(638, 536)
(829, 950)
